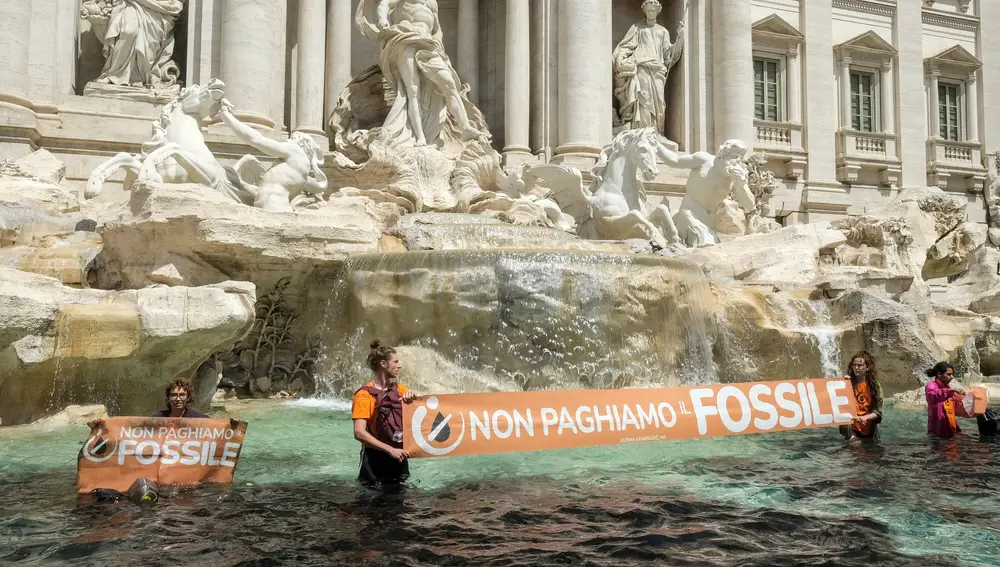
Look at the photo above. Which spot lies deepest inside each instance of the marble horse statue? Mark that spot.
(614, 207)
(177, 152)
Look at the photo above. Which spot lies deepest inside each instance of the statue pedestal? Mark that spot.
(158, 96)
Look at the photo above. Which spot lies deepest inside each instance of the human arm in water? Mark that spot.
(362, 434)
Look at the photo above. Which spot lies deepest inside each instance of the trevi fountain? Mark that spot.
(259, 262)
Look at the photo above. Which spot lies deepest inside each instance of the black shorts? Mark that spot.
(378, 467)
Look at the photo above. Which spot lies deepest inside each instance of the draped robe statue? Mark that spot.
(430, 100)
(641, 63)
(138, 39)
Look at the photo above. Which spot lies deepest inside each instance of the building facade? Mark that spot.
(850, 100)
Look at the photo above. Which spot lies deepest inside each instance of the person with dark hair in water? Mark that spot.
(179, 394)
(868, 393)
(941, 400)
(377, 411)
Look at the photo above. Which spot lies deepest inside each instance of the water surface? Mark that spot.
(798, 498)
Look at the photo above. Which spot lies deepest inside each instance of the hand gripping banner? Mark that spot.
(168, 451)
(473, 424)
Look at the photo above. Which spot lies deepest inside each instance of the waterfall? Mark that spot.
(826, 338)
(487, 320)
(820, 331)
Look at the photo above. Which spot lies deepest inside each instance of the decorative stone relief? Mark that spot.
(138, 46)
(875, 231)
(947, 212)
(267, 361)
(642, 61)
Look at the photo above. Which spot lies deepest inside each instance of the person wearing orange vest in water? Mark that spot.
(941, 400)
(868, 393)
(377, 411)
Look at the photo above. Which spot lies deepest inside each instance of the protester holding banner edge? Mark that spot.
(377, 412)
(941, 399)
(868, 394)
(179, 394)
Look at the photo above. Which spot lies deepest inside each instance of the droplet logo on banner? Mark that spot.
(435, 443)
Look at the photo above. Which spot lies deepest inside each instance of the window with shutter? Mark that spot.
(863, 101)
(767, 84)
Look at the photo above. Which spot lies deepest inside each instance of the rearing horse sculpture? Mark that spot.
(615, 207)
(177, 152)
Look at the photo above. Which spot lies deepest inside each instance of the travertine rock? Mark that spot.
(61, 346)
(190, 234)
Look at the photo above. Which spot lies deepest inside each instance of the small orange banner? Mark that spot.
(168, 451)
(979, 398)
(473, 424)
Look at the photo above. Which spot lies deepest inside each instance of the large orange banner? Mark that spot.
(472, 424)
(168, 451)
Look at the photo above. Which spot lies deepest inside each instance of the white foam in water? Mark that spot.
(332, 404)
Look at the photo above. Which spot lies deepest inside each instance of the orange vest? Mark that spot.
(949, 413)
(864, 397)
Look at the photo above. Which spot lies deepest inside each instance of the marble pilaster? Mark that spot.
(972, 104)
(517, 82)
(820, 89)
(467, 64)
(912, 100)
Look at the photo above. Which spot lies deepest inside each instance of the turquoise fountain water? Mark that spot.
(778, 499)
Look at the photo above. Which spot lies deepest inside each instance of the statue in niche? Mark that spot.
(430, 98)
(641, 62)
(138, 40)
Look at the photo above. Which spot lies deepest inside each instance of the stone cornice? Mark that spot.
(954, 21)
(879, 7)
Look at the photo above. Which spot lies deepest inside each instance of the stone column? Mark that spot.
(732, 72)
(18, 124)
(467, 65)
(338, 52)
(972, 102)
(934, 104)
(311, 56)
(249, 41)
(517, 82)
(585, 80)
(792, 62)
(845, 92)
(15, 42)
(544, 77)
(888, 109)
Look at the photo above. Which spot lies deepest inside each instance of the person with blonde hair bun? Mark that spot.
(377, 411)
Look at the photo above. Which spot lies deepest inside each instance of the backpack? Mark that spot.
(388, 427)
(988, 423)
